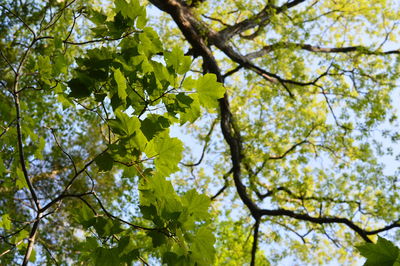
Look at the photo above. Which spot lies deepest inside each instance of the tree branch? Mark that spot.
(19, 136)
(6, 128)
(256, 20)
(207, 139)
(161, 230)
(92, 41)
(13, 247)
(319, 220)
(287, 151)
(63, 151)
(316, 49)
(196, 33)
(31, 240)
(222, 189)
(255, 242)
(20, 19)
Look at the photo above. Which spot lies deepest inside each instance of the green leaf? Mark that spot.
(40, 147)
(106, 256)
(97, 17)
(197, 204)
(2, 166)
(141, 20)
(397, 262)
(32, 258)
(21, 235)
(170, 258)
(383, 253)
(178, 60)
(130, 9)
(5, 222)
(103, 226)
(184, 99)
(60, 64)
(105, 161)
(191, 113)
(84, 215)
(148, 212)
(208, 89)
(203, 246)
(58, 42)
(90, 243)
(79, 88)
(123, 124)
(169, 151)
(127, 250)
(100, 97)
(157, 238)
(159, 201)
(149, 45)
(44, 66)
(153, 124)
(121, 83)
(21, 183)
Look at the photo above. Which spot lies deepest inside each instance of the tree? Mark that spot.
(291, 102)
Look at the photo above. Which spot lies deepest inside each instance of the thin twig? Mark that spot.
(222, 189)
(8, 63)
(162, 230)
(92, 41)
(20, 19)
(207, 139)
(49, 252)
(6, 128)
(61, 148)
(14, 246)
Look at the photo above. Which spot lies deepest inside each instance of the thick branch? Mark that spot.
(256, 20)
(255, 242)
(316, 49)
(191, 28)
(317, 220)
(31, 240)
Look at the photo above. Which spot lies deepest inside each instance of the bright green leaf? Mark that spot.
(197, 204)
(5, 222)
(203, 247)
(121, 83)
(21, 183)
(169, 153)
(178, 60)
(208, 89)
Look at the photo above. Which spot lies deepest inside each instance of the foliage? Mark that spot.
(381, 253)
(285, 109)
(126, 79)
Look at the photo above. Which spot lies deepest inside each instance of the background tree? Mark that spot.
(307, 115)
(306, 137)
